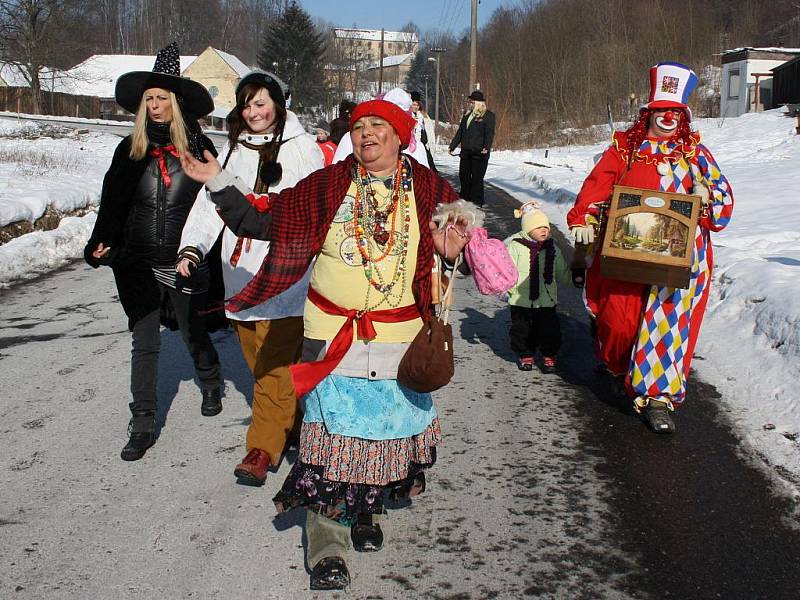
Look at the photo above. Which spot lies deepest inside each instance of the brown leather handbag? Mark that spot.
(428, 364)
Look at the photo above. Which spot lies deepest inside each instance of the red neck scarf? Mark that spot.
(159, 153)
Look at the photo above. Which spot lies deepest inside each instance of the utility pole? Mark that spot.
(438, 59)
(380, 70)
(473, 47)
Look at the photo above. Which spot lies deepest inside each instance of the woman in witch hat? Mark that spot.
(270, 150)
(143, 206)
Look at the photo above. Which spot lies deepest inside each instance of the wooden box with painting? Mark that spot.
(649, 236)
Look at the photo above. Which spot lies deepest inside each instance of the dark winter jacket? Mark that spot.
(141, 221)
(478, 136)
(339, 127)
(158, 213)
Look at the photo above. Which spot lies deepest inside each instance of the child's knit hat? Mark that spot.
(531, 216)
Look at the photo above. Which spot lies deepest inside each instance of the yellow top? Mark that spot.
(340, 276)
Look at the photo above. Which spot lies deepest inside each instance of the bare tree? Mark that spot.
(31, 37)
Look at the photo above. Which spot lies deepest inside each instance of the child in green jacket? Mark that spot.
(534, 322)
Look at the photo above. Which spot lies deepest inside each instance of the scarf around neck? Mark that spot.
(549, 260)
(158, 134)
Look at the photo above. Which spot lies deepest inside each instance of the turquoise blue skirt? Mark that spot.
(368, 409)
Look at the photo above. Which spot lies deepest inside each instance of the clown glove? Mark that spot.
(701, 189)
(582, 235)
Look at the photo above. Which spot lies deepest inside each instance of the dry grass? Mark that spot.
(37, 163)
(548, 135)
(33, 163)
(34, 131)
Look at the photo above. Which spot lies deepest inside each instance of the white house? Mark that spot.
(741, 69)
(366, 43)
(395, 69)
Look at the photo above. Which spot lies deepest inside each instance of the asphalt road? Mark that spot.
(704, 517)
(547, 486)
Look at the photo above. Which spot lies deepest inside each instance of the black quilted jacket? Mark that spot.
(158, 213)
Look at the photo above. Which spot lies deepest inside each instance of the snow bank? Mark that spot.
(41, 168)
(39, 252)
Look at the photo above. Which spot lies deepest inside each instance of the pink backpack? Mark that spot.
(492, 268)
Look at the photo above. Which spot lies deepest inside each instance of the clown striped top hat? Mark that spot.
(671, 84)
(166, 74)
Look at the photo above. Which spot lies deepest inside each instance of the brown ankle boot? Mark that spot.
(253, 468)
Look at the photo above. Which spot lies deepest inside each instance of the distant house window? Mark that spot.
(213, 91)
(733, 83)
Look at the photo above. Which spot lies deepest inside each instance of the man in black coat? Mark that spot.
(475, 134)
(341, 124)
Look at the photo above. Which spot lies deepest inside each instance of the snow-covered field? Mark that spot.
(750, 344)
(38, 171)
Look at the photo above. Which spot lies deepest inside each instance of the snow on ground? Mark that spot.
(749, 347)
(38, 171)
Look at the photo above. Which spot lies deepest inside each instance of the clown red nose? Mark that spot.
(669, 116)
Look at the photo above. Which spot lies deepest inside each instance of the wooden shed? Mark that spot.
(745, 68)
(786, 83)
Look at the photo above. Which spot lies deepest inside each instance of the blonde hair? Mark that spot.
(479, 109)
(177, 129)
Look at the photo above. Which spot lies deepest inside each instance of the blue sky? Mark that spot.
(447, 15)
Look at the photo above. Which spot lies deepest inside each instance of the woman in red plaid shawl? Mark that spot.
(368, 222)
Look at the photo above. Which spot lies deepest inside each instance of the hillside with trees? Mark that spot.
(558, 63)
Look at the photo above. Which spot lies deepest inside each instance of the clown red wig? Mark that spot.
(637, 133)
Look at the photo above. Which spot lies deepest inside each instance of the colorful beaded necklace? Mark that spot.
(371, 223)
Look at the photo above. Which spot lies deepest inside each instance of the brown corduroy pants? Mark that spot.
(269, 347)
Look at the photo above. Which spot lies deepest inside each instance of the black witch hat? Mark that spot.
(166, 74)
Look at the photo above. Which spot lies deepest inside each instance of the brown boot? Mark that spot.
(658, 418)
(253, 468)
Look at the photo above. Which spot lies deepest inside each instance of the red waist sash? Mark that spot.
(306, 376)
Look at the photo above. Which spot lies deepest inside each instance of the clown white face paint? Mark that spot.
(664, 122)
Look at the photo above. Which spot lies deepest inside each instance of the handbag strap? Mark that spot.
(449, 292)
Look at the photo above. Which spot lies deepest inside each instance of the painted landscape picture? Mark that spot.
(650, 233)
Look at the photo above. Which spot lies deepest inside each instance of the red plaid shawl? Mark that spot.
(301, 219)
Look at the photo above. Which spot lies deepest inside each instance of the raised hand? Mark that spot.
(450, 240)
(200, 171)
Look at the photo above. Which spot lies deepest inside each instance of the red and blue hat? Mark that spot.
(671, 84)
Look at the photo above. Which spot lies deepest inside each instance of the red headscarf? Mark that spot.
(402, 122)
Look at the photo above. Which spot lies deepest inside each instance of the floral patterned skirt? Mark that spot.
(341, 477)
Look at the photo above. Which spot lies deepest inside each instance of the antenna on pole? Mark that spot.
(438, 51)
(473, 47)
(380, 70)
